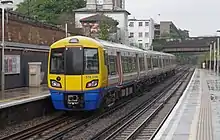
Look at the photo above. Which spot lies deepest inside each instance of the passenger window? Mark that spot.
(159, 62)
(125, 64)
(149, 63)
(141, 61)
(134, 64)
(112, 65)
(130, 64)
(155, 62)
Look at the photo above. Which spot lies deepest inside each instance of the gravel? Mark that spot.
(105, 122)
(24, 125)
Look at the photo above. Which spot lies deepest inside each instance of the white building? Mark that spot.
(111, 8)
(141, 33)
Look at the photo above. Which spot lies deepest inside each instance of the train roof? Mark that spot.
(118, 45)
(133, 49)
(88, 40)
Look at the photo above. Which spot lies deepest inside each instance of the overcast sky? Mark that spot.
(200, 17)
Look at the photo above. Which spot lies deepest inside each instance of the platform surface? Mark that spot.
(23, 95)
(196, 116)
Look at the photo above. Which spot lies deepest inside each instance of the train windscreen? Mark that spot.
(74, 61)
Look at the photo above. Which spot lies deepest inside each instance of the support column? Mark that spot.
(214, 50)
(210, 57)
(218, 56)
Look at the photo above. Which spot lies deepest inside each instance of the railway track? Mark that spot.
(66, 124)
(94, 119)
(82, 125)
(70, 123)
(135, 124)
(27, 133)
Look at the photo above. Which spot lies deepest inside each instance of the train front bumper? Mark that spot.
(89, 100)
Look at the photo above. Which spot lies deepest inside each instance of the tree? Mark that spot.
(49, 10)
(104, 30)
(106, 27)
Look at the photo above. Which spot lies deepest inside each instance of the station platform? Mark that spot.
(18, 96)
(196, 116)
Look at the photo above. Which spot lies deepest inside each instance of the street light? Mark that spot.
(5, 4)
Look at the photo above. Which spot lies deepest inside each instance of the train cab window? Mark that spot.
(112, 65)
(91, 61)
(57, 61)
(141, 62)
(74, 61)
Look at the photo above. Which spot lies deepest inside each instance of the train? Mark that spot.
(86, 74)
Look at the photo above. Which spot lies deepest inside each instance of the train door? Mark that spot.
(106, 68)
(119, 68)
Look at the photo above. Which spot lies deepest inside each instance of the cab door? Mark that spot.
(91, 68)
(56, 69)
(73, 68)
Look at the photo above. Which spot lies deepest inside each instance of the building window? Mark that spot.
(140, 34)
(146, 45)
(140, 45)
(131, 34)
(140, 24)
(146, 34)
(146, 23)
(131, 44)
(131, 24)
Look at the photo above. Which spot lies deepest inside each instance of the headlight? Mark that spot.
(93, 83)
(56, 84)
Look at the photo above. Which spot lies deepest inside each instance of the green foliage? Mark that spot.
(158, 44)
(49, 10)
(104, 30)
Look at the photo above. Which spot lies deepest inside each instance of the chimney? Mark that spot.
(108, 4)
(91, 4)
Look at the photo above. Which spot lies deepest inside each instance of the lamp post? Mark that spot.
(5, 4)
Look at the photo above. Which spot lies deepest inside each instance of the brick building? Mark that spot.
(22, 29)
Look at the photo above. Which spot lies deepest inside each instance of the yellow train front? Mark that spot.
(77, 75)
